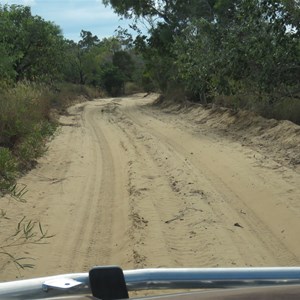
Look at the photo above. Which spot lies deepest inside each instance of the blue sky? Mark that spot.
(74, 15)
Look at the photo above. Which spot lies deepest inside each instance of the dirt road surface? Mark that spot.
(129, 184)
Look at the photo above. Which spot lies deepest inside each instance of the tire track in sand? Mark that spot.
(103, 223)
(127, 185)
(232, 194)
(182, 228)
(87, 210)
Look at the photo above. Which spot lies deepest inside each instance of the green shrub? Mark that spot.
(285, 109)
(26, 120)
(21, 108)
(8, 169)
(32, 145)
(30, 149)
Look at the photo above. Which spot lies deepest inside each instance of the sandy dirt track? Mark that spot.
(128, 184)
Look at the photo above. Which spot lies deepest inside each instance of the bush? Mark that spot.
(24, 123)
(63, 95)
(30, 149)
(8, 169)
(286, 109)
(20, 109)
(26, 120)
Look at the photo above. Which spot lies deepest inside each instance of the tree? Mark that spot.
(39, 49)
(213, 49)
(6, 64)
(166, 19)
(88, 40)
(175, 13)
(114, 68)
(255, 52)
(72, 67)
(123, 61)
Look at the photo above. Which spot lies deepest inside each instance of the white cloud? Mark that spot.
(19, 2)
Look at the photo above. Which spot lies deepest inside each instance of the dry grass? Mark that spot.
(26, 119)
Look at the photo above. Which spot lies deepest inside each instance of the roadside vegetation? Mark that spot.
(239, 54)
(243, 54)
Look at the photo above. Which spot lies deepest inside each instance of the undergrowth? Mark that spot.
(27, 120)
(268, 106)
(286, 109)
(25, 123)
(8, 168)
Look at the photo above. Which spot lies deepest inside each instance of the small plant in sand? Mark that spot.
(26, 232)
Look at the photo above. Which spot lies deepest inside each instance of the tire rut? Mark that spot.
(170, 165)
(125, 184)
(231, 202)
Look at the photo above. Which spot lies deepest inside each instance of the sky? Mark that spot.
(74, 15)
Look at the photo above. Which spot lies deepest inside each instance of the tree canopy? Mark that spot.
(38, 49)
(33, 49)
(245, 50)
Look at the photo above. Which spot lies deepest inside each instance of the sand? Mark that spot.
(127, 183)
